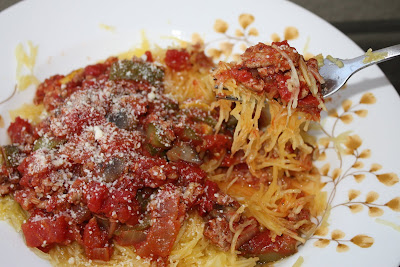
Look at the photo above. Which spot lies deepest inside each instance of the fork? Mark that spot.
(336, 76)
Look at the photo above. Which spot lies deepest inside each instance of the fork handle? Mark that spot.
(358, 64)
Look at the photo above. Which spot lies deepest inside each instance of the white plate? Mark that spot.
(69, 36)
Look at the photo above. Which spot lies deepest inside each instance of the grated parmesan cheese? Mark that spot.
(98, 133)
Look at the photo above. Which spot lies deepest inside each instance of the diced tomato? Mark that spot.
(40, 231)
(47, 88)
(23, 197)
(95, 195)
(166, 216)
(282, 87)
(21, 132)
(127, 213)
(178, 60)
(304, 214)
(309, 105)
(241, 75)
(308, 101)
(189, 173)
(74, 120)
(206, 203)
(32, 170)
(271, 85)
(203, 60)
(125, 190)
(217, 141)
(149, 56)
(95, 70)
(95, 242)
(23, 167)
(93, 235)
(122, 203)
(147, 178)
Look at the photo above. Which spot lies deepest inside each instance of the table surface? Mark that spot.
(369, 23)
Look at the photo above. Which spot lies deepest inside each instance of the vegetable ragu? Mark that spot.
(117, 160)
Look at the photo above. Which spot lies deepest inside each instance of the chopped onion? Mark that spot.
(183, 152)
(114, 169)
(130, 237)
(121, 120)
(103, 254)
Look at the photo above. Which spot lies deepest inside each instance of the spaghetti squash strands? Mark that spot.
(133, 162)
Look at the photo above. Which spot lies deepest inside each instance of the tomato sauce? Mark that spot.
(98, 168)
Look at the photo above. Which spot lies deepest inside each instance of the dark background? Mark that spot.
(370, 23)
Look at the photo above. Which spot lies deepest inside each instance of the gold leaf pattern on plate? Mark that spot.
(368, 99)
(366, 153)
(375, 211)
(333, 113)
(325, 169)
(220, 26)
(322, 231)
(290, 33)
(358, 165)
(324, 141)
(353, 142)
(321, 243)
(375, 167)
(346, 105)
(342, 248)
(346, 118)
(353, 194)
(253, 32)
(243, 47)
(355, 208)
(226, 48)
(388, 179)
(371, 197)
(363, 241)
(239, 33)
(213, 52)
(394, 204)
(275, 37)
(340, 140)
(359, 177)
(322, 156)
(337, 234)
(236, 57)
(197, 39)
(361, 113)
(245, 20)
(336, 173)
